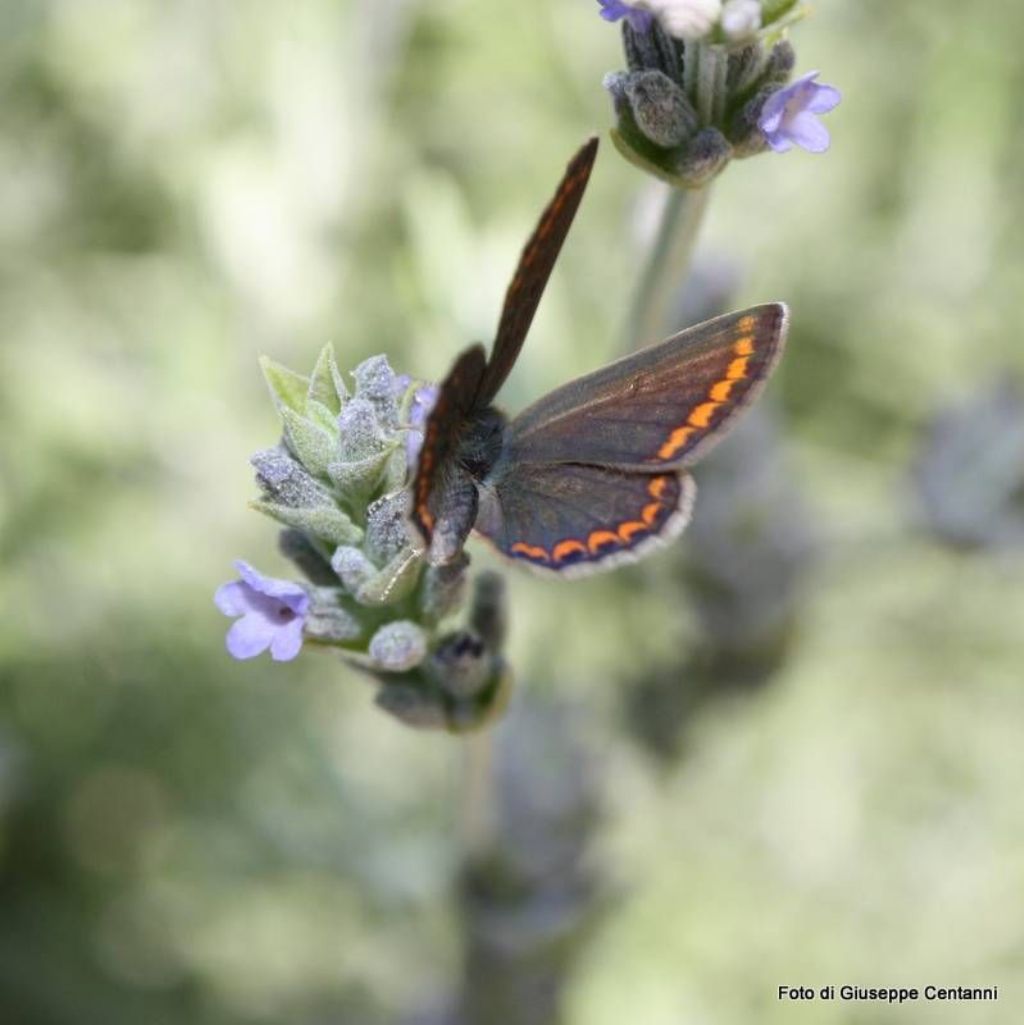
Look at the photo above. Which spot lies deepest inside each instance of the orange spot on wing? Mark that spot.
(720, 392)
(701, 416)
(426, 517)
(531, 552)
(745, 346)
(746, 325)
(599, 538)
(737, 369)
(566, 548)
(656, 488)
(676, 440)
(631, 527)
(650, 513)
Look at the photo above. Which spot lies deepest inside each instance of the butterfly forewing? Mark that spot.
(441, 435)
(660, 407)
(535, 266)
(473, 382)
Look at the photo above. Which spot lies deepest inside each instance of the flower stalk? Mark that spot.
(668, 266)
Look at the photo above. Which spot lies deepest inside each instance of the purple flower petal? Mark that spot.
(287, 642)
(789, 115)
(615, 10)
(273, 614)
(771, 113)
(283, 590)
(248, 637)
(824, 99)
(808, 132)
(422, 403)
(778, 142)
(803, 81)
(232, 599)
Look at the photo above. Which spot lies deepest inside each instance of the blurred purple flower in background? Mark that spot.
(272, 611)
(790, 115)
(638, 17)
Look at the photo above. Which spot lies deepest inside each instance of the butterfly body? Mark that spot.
(596, 472)
(481, 448)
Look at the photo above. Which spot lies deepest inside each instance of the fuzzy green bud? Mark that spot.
(398, 646)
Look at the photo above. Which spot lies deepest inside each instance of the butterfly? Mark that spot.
(595, 473)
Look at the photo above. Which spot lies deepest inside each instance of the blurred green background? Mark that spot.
(184, 186)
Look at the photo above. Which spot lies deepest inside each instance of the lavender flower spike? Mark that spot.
(789, 116)
(273, 613)
(636, 14)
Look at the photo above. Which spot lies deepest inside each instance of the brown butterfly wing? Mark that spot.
(660, 407)
(473, 381)
(572, 519)
(535, 266)
(445, 427)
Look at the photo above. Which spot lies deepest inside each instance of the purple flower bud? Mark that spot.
(375, 382)
(284, 480)
(422, 403)
(740, 19)
(687, 19)
(272, 611)
(399, 646)
(660, 107)
(789, 116)
(360, 430)
(635, 13)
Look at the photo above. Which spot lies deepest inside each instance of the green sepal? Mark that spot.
(674, 159)
(322, 417)
(323, 522)
(645, 163)
(773, 10)
(786, 15)
(396, 581)
(487, 707)
(326, 384)
(412, 703)
(417, 699)
(288, 389)
(310, 443)
(396, 471)
(330, 620)
(776, 17)
(358, 479)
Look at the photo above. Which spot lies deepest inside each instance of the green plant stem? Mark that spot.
(667, 267)
(477, 810)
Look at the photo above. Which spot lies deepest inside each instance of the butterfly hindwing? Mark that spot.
(660, 407)
(535, 266)
(575, 519)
